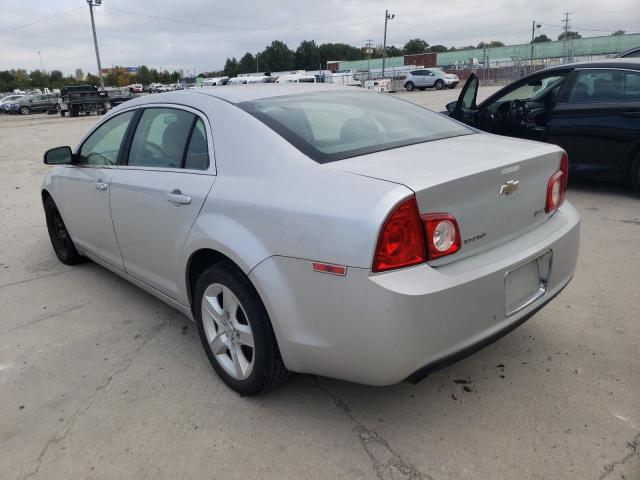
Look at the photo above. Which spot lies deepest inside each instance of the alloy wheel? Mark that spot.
(228, 331)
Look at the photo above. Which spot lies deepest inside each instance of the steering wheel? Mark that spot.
(156, 151)
(519, 113)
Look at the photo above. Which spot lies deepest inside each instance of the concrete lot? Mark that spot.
(100, 380)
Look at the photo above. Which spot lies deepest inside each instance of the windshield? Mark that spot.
(330, 126)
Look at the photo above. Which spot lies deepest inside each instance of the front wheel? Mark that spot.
(60, 239)
(25, 110)
(409, 86)
(236, 332)
(439, 84)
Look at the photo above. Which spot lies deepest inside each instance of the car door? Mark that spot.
(83, 191)
(157, 195)
(36, 103)
(597, 121)
(522, 109)
(429, 78)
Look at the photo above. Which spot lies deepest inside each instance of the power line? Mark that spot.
(231, 27)
(45, 19)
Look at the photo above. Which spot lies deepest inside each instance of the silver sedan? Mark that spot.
(308, 228)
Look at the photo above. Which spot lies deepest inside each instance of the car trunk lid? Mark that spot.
(494, 186)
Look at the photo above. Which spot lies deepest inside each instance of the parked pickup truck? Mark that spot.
(83, 99)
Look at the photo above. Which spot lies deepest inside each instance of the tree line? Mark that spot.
(116, 77)
(277, 56)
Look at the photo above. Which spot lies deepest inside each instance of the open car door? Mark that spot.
(465, 109)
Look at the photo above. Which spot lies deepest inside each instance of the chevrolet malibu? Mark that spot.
(317, 229)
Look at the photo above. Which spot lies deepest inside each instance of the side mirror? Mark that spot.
(58, 156)
(451, 106)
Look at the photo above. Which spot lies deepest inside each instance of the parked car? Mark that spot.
(295, 78)
(633, 52)
(118, 96)
(591, 109)
(9, 98)
(430, 77)
(31, 104)
(135, 88)
(334, 231)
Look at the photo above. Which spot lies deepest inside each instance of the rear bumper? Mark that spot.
(379, 329)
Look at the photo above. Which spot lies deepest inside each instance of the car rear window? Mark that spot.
(330, 126)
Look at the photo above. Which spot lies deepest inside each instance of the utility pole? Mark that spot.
(565, 40)
(257, 61)
(387, 17)
(96, 3)
(368, 46)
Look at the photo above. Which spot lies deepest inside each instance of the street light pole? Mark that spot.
(533, 36)
(387, 17)
(41, 64)
(257, 61)
(96, 3)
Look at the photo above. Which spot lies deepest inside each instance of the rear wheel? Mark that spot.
(409, 86)
(635, 174)
(60, 239)
(73, 111)
(25, 110)
(236, 332)
(439, 84)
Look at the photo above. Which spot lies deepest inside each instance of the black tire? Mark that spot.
(25, 110)
(635, 174)
(439, 85)
(409, 86)
(60, 239)
(63, 113)
(268, 369)
(73, 111)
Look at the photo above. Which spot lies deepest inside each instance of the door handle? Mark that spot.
(176, 197)
(100, 185)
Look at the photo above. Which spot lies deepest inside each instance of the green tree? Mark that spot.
(541, 39)
(39, 79)
(415, 45)
(277, 57)
(618, 33)
(393, 51)
(231, 67)
(339, 51)
(491, 44)
(438, 48)
(247, 63)
(307, 56)
(570, 35)
(90, 80)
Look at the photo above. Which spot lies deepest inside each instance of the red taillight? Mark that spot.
(557, 186)
(402, 238)
(401, 241)
(443, 234)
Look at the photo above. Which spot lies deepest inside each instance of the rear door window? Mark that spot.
(593, 85)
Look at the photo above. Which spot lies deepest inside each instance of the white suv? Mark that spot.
(430, 77)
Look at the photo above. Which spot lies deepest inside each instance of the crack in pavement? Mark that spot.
(38, 278)
(375, 446)
(633, 445)
(58, 437)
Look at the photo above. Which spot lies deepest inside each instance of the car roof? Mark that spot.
(632, 63)
(239, 94)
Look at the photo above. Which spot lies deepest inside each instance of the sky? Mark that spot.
(203, 33)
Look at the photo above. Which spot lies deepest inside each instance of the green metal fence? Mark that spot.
(579, 48)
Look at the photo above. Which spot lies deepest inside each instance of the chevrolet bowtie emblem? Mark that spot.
(509, 187)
